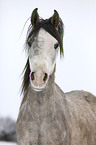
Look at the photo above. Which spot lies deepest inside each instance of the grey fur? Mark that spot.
(51, 117)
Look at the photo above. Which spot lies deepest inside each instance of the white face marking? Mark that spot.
(42, 58)
(42, 53)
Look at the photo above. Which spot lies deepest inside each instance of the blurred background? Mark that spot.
(77, 71)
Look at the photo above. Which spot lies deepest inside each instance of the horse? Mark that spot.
(47, 115)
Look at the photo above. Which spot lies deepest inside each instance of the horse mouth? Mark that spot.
(37, 88)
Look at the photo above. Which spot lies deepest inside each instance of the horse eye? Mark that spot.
(56, 45)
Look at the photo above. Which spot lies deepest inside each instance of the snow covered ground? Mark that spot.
(7, 143)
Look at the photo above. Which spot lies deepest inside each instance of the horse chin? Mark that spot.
(38, 88)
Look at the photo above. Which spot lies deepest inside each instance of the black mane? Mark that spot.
(32, 31)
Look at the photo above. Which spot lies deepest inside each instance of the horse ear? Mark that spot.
(55, 19)
(34, 17)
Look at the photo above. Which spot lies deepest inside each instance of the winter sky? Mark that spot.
(77, 71)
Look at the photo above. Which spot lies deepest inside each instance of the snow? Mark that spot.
(7, 143)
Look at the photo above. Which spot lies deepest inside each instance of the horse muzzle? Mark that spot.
(39, 80)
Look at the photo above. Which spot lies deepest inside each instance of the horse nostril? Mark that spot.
(45, 77)
(32, 76)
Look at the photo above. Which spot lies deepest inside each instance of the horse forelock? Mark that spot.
(46, 24)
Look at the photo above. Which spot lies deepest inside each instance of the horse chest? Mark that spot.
(39, 128)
